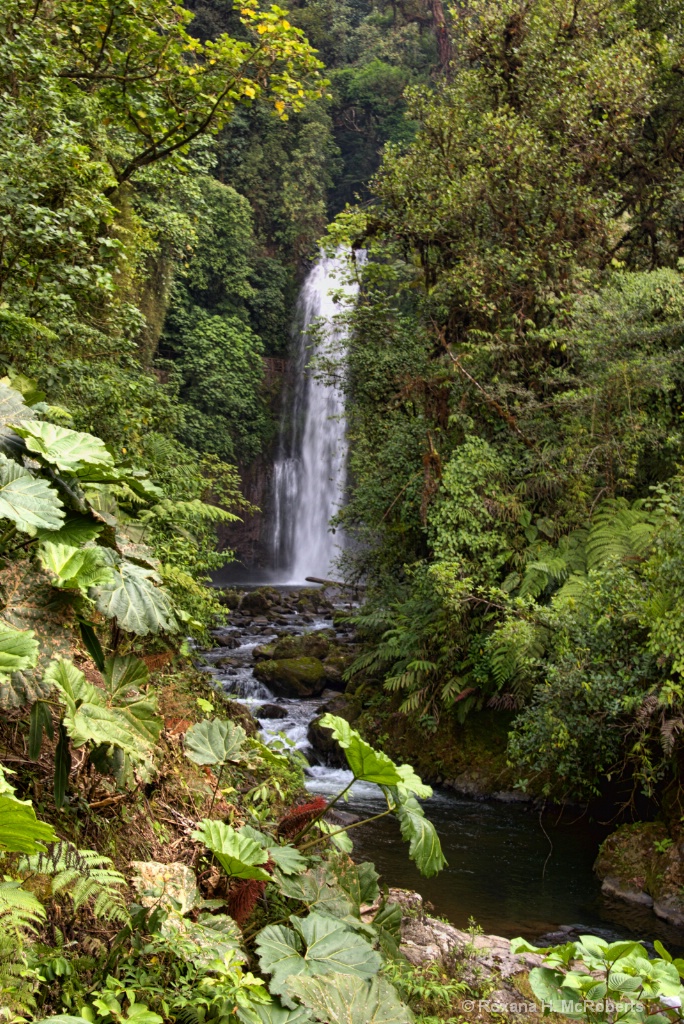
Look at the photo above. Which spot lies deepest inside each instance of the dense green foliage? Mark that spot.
(515, 392)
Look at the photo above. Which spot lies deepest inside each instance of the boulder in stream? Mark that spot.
(326, 749)
(271, 711)
(292, 677)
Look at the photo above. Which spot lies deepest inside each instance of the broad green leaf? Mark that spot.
(315, 945)
(547, 986)
(76, 530)
(412, 783)
(28, 500)
(61, 1018)
(138, 1013)
(319, 889)
(238, 855)
(124, 678)
(209, 938)
(95, 716)
(273, 1013)
(424, 845)
(74, 568)
(17, 650)
(342, 840)
(341, 999)
(214, 741)
(367, 764)
(69, 450)
(20, 830)
(12, 407)
(125, 673)
(287, 858)
(359, 881)
(387, 924)
(135, 602)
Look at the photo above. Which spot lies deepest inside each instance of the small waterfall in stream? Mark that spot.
(309, 473)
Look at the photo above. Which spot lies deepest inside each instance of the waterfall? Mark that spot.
(309, 473)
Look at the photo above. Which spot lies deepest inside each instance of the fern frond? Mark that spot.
(20, 911)
(85, 875)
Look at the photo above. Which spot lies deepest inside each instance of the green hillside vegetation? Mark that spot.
(168, 173)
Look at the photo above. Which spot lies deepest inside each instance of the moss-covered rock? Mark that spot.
(308, 645)
(470, 756)
(256, 602)
(642, 864)
(292, 677)
(336, 664)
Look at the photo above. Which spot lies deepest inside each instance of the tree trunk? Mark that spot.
(442, 33)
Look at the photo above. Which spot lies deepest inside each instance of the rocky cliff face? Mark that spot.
(250, 539)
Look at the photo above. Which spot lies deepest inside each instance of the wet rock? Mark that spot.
(292, 677)
(670, 909)
(425, 940)
(229, 599)
(624, 891)
(255, 601)
(309, 645)
(335, 665)
(230, 641)
(271, 711)
(327, 751)
(226, 663)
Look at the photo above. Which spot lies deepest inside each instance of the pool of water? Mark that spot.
(507, 870)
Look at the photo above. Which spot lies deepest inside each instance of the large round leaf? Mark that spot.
(424, 845)
(344, 1000)
(27, 500)
(20, 830)
(316, 945)
(238, 855)
(132, 598)
(69, 450)
(18, 649)
(214, 741)
(367, 764)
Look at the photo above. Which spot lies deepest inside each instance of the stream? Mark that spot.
(510, 874)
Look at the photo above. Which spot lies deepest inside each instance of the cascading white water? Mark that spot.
(309, 474)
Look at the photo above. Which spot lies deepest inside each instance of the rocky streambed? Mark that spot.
(283, 654)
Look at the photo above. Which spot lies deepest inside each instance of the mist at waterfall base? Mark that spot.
(310, 469)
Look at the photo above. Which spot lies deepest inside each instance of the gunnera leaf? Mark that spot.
(132, 598)
(12, 408)
(274, 1013)
(366, 763)
(27, 500)
(74, 568)
(315, 945)
(20, 830)
(91, 716)
(287, 859)
(424, 845)
(214, 741)
(319, 889)
(341, 999)
(239, 856)
(69, 450)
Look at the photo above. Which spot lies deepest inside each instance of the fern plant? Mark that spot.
(87, 877)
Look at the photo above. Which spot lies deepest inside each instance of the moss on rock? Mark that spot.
(292, 677)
